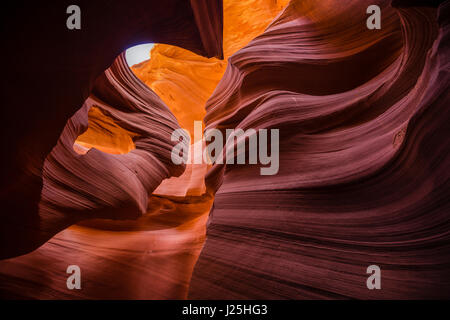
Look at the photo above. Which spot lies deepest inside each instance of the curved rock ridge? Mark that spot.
(184, 80)
(150, 254)
(97, 184)
(104, 134)
(49, 74)
(148, 258)
(151, 257)
(363, 180)
(364, 153)
(151, 251)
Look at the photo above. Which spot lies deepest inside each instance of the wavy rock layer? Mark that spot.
(363, 178)
(153, 256)
(97, 184)
(185, 80)
(363, 118)
(45, 91)
(118, 258)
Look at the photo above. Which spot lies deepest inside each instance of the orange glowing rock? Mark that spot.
(170, 235)
(105, 135)
(185, 80)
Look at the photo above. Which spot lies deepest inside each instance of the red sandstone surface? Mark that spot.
(364, 152)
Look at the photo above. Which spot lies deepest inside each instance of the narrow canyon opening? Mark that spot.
(362, 166)
(163, 245)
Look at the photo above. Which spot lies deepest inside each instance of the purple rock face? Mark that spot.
(49, 74)
(364, 144)
(364, 155)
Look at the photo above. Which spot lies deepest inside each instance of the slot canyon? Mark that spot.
(87, 177)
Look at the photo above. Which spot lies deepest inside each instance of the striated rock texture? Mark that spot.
(97, 184)
(363, 116)
(364, 158)
(150, 257)
(114, 170)
(153, 256)
(185, 80)
(49, 73)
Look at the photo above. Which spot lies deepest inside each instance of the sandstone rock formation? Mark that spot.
(363, 117)
(185, 80)
(49, 74)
